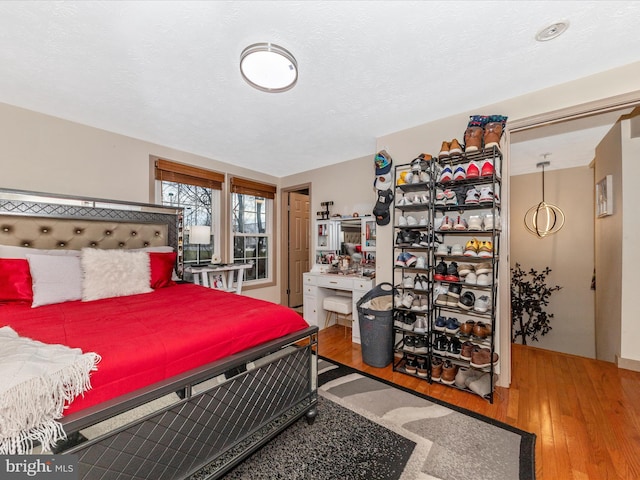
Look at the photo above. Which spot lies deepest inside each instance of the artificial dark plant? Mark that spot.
(529, 298)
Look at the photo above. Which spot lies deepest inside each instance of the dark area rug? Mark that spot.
(370, 429)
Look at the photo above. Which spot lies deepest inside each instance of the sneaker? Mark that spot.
(475, 223)
(407, 300)
(460, 224)
(411, 220)
(441, 299)
(417, 283)
(420, 325)
(459, 173)
(465, 269)
(410, 259)
(408, 344)
(421, 262)
(424, 303)
(425, 198)
(466, 375)
(467, 300)
(485, 249)
(440, 344)
(484, 267)
(447, 224)
(444, 150)
(424, 177)
(423, 221)
(483, 358)
(440, 198)
(439, 324)
(456, 249)
(420, 345)
(398, 318)
(400, 261)
(482, 304)
(407, 282)
(452, 273)
(442, 250)
(446, 175)
(440, 271)
(410, 365)
(486, 195)
(437, 223)
(452, 326)
(436, 369)
(453, 349)
(472, 197)
(421, 369)
(490, 221)
(452, 301)
(473, 170)
(416, 305)
(454, 147)
(408, 321)
(471, 248)
(450, 197)
(402, 222)
(483, 280)
(487, 169)
(455, 289)
(449, 371)
(471, 279)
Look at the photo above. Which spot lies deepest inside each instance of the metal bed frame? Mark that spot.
(212, 417)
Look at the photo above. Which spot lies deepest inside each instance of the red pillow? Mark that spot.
(15, 280)
(162, 269)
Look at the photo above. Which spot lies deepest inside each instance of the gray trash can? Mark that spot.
(376, 328)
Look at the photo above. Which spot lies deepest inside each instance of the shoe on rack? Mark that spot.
(436, 369)
(446, 175)
(475, 223)
(411, 220)
(417, 283)
(408, 321)
(453, 349)
(467, 300)
(439, 324)
(424, 303)
(456, 249)
(481, 330)
(452, 273)
(421, 262)
(442, 250)
(454, 290)
(449, 372)
(410, 259)
(460, 224)
(490, 221)
(467, 350)
(420, 325)
(409, 343)
(450, 197)
(421, 345)
(401, 260)
(416, 305)
(493, 132)
(423, 221)
(486, 195)
(482, 305)
(407, 299)
(467, 328)
(444, 150)
(483, 280)
(480, 385)
(472, 196)
(447, 224)
(410, 364)
(483, 358)
(402, 221)
(440, 198)
(465, 269)
(459, 173)
(485, 249)
(487, 169)
(473, 139)
(407, 282)
(415, 240)
(440, 271)
(441, 299)
(441, 344)
(466, 375)
(471, 278)
(452, 301)
(452, 326)
(473, 170)
(421, 369)
(484, 267)
(454, 147)
(471, 248)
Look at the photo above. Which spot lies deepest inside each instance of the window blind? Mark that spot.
(249, 187)
(181, 173)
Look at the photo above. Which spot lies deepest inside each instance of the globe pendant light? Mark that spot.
(544, 219)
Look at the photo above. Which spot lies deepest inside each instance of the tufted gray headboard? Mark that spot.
(48, 221)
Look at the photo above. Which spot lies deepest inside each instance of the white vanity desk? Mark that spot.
(317, 286)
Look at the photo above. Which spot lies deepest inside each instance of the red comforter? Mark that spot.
(150, 337)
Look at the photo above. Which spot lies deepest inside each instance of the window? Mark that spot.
(198, 192)
(252, 227)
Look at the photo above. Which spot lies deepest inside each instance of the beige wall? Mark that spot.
(47, 154)
(569, 254)
(608, 251)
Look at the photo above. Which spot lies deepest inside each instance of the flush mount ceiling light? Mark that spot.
(544, 219)
(552, 31)
(268, 67)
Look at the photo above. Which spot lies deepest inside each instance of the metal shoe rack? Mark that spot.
(414, 350)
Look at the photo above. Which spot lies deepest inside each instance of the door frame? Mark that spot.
(284, 237)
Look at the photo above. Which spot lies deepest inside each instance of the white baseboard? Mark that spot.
(628, 364)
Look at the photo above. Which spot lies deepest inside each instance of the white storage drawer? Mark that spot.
(365, 285)
(335, 281)
(309, 279)
(310, 290)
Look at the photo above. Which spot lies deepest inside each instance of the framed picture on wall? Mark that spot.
(604, 197)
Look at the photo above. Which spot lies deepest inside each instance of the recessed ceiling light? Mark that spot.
(552, 31)
(268, 67)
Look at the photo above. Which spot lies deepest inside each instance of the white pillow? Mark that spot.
(114, 273)
(56, 279)
(9, 251)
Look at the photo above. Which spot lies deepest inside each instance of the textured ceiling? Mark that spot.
(167, 72)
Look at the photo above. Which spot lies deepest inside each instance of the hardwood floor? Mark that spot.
(585, 413)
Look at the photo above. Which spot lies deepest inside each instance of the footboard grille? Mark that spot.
(239, 414)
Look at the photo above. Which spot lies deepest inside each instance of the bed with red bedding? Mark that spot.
(189, 377)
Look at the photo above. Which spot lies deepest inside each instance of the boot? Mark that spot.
(444, 150)
(455, 148)
(473, 139)
(492, 134)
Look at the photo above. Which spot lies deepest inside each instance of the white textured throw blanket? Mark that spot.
(37, 381)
